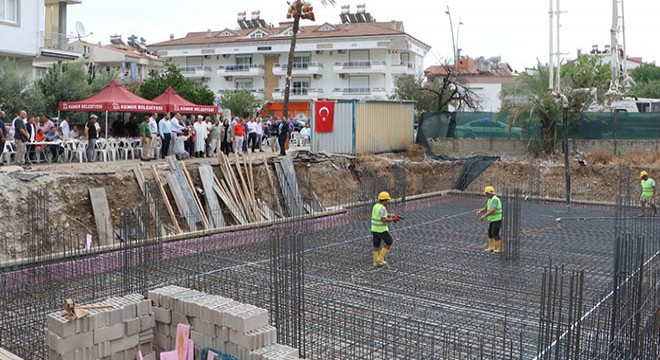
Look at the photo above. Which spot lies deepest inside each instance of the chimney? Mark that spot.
(208, 33)
(171, 36)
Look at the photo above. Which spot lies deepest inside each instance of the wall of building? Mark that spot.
(23, 38)
(488, 96)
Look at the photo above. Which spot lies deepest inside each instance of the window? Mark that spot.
(258, 35)
(301, 61)
(243, 62)
(9, 10)
(244, 84)
(358, 84)
(300, 86)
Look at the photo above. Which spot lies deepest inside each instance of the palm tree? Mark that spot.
(298, 9)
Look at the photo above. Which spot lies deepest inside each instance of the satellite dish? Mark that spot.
(80, 28)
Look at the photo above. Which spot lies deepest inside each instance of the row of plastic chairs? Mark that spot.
(113, 149)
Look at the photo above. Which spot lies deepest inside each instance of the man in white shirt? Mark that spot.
(305, 134)
(153, 127)
(252, 134)
(64, 127)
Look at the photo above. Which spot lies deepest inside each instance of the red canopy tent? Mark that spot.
(114, 98)
(175, 103)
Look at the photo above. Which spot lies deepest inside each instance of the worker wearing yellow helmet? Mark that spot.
(648, 193)
(493, 213)
(381, 232)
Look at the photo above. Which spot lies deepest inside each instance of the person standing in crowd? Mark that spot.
(260, 134)
(239, 136)
(283, 135)
(493, 213)
(132, 127)
(305, 135)
(153, 128)
(648, 193)
(91, 135)
(216, 131)
(64, 128)
(48, 123)
(200, 137)
(289, 122)
(252, 134)
(246, 137)
(380, 230)
(273, 135)
(21, 136)
(3, 133)
(165, 131)
(145, 133)
(226, 134)
(209, 129)
(32, 128)
(118, 126)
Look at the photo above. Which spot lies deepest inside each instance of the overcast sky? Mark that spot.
(516, 30)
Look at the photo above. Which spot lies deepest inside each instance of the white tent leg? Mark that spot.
(106, 124)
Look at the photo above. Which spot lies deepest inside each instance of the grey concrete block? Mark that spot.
(178, 318)
(129, 311)
(73, 343)
(163, 329)
(144, 308)
(222, 333)
(132, 326)
(146, 336)
(125, 343)
(162, 342)
(163, 315)
(60, 325)
(103, 349)
(108, 333)
(147, 322)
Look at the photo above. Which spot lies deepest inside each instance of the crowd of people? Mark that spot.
(180, 134)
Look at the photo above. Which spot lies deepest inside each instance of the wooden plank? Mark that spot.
(168, 205)
(272, 188)
(186, 194)
(289, 185)
(102, 215)
(230, 205)
(188, 178)
(233, 189)
(249, 205)
(215, 211)
(152, 206)
(6, 355)
(181, 202)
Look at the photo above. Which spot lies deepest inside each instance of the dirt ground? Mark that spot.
(333, 180)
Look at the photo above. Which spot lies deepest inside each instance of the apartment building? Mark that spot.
(356, 59)
(34, 32)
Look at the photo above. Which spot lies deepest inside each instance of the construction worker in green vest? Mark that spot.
(381, 232)
(493, 213)
(648, 193)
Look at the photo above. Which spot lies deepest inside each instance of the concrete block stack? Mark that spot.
(228, 326)
(118, 332)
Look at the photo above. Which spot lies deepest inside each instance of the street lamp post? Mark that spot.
(458, 48)
(451, 28)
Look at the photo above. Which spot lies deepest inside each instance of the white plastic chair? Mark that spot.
(102, 148)
(158, 144)
(295, 139)
(79, 151)
(113, 149)
(8, 152)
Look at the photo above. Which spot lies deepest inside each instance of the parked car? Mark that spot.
(487, 129)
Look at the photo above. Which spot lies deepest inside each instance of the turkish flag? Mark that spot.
(325, 114)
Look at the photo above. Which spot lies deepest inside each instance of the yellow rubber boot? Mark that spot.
(491, 245)
(375, 256)
(381, 257)
(499, 248)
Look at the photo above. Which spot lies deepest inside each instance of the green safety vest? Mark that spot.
(377, 224)
(497, 215)
(647, 187)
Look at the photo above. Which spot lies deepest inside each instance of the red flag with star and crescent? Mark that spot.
(325, 114)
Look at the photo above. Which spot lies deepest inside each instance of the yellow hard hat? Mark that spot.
(643, 173)
(489, 190)
(384, 196)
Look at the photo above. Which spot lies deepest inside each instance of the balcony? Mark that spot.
(54, 46)
(257, 93)
(360, 92)
(403, 68)
(299, 94)
(360, 67)
(311, 68)
(196, 72)
(250, 70)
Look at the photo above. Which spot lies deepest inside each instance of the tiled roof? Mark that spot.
(129, 51)
(306, 32)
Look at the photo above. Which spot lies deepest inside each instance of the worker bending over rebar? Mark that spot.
(493, 212)
(379, 219)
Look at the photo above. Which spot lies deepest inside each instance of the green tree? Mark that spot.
(436, 95)
(158, 82)
(647, 81)
(239, 102)
(65, 82)
(530, 99)
(16, 92)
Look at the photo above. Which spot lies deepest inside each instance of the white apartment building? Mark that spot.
(353, 60)
(33, 32)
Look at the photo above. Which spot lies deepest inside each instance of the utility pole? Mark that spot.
(453, 41)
